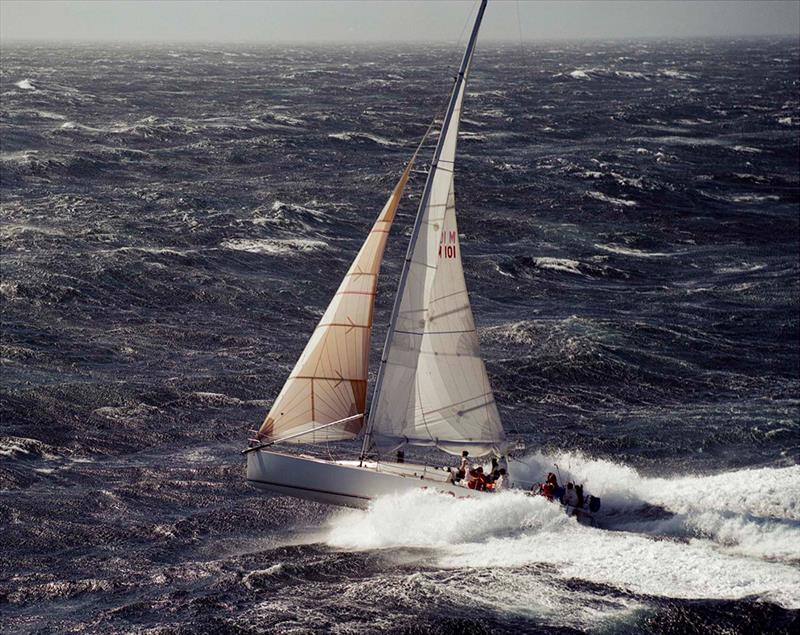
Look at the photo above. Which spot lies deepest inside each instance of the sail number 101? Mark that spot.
(448, 244)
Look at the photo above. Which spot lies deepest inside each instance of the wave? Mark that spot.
(741, 198)
(747, 149)
(719, 538)
(629, 251)
(674, 73)
(20, 157)
(278, 117)
(25, 84)
(361, 137)
(559, 264)
(753, 198)
(274, 246)
(620, 202)
(127, 413)
(744, 267)
(620, 179)
(598, 72)
(21, 447)
(221, 400)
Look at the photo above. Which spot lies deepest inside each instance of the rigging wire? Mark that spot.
(439, 113)
(519, 30)
(514, 426)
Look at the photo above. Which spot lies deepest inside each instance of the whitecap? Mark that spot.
(747, 149)
(559, 264)
(21, 156)
(274, 246)
(465, 135)
(610, 199)
(629, 251)
(675, 73)
(753, 198)
(361, 136)
(220, 399)
(744, 267)
(257, 575)
(631, 74)
(25, 84)
(126, 413)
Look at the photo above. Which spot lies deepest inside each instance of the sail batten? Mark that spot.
(432, 386)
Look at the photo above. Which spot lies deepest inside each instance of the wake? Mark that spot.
(726, 536)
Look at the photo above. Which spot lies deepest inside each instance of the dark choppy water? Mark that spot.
(174, 221)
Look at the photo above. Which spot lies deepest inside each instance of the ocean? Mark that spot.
(175, 220)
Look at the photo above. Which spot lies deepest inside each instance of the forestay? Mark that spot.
(329, 381)
(432, 387)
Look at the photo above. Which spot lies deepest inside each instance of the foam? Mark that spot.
(777, 496)
(666, 568)
(442, 521)
(724, 538)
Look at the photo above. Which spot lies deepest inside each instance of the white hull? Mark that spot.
(344, 482)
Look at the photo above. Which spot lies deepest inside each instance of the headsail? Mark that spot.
(432, 386)
(329, 381)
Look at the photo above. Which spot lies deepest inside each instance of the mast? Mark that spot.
(424, 200)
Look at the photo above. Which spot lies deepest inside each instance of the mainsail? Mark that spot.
(432, 386)
(329, 381)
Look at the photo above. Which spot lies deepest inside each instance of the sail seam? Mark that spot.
(472, 409)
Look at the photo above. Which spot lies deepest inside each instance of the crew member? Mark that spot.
(477, 481)
(571, 496)
(463, 467)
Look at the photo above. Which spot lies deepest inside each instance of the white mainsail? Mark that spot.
(329, 381)
(432, 386)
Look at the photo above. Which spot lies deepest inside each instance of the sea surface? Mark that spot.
(174, 221)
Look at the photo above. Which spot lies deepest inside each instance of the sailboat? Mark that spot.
(432, 389)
